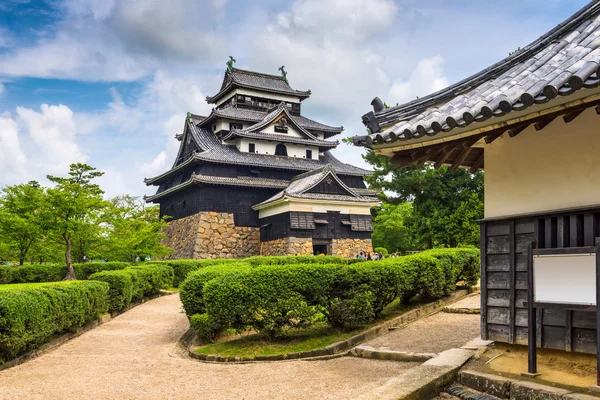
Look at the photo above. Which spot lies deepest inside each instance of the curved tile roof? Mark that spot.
(559, 63)
(256, 80)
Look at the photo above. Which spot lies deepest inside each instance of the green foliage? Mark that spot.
(20, 222)
(445, 204)
(270, 298)
(29, 317)
(135, 230)
(121, 288)
(390, 229)
(381, 250)
(69, 205)
(288, 260)
(134, 283)
(205, 327)
(53, 272)
(183, 268)
(190, 290)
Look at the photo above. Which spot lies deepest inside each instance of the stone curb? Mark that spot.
(461, 310)
(389, 355)
(506, 388)
(61, 339)
(335, 349)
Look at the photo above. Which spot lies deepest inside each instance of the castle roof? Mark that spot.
(550, 70)
(239, 78)
(301, 187)
(212, 150)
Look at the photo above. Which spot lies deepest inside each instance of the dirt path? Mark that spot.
(131, 357)
(441, 331)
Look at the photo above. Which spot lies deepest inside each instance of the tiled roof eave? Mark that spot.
(559, 64)
(280, 138)
(231, 86)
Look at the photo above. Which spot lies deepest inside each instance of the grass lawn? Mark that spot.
(294, 340)
(12, 286)
(316, 336)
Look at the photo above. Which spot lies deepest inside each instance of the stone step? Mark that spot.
(464, 393)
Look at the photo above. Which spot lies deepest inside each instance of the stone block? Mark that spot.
(521, 390)
(492, 384)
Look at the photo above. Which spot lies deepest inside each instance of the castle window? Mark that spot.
(251, 148)
(281, 150)
(309, 154)
(235, 125)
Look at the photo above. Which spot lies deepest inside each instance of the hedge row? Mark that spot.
(182, 268)
(134, 283)
(31, 316)
(274, 297)
(287, 260)
(54, 272)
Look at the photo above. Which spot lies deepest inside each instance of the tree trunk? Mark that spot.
(21, 261)
(70, 271)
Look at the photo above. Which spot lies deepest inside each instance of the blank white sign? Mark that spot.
(565, 279)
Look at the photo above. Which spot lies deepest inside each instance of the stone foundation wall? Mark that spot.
(349, 248)
(290, 246)
(211, 235)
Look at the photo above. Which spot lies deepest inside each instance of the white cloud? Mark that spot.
(428, 77)
(119, 41)
(53, 132)
(12, 159)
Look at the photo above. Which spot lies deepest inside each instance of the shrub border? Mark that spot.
(64, 338)
(338, 349)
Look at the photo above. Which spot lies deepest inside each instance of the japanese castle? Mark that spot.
(256, 177)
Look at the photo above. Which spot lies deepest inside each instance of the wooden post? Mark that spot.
(531, 313)
(597, 242)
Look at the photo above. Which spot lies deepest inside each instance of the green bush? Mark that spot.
(30, 317)
(190, 290)
(381, 250)
(134, 283)
(182, 268)
(287, 260)
(465, 263)
(30, 273)
(205, 327)
(121, 288)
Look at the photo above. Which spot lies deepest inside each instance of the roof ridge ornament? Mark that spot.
(230, 64)
(284, 73)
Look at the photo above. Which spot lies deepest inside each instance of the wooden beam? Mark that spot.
(571, 116)
(446, 152)
(464, 153)
(516, 130)
(477, 164)
(490, 138)
(543, 123)
(401, 160)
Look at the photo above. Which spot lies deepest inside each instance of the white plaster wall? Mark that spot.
(250, 92)
(265, 147)
(223, 124)
(291, 131)
(551, 169)
(314, 207)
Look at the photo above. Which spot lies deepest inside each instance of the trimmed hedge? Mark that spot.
(287, 260)
(274, 297)
(182, 268)
(30, 317)
(134, 283)
(190, 290)
(54, 272)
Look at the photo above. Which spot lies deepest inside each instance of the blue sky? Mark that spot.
(108, 82)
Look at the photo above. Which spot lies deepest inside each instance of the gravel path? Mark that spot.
(434, 334)
(132, 357)
(471, 302)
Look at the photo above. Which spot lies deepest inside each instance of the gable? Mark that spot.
(329, 185)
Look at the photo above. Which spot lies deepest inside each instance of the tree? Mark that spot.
(134, 230)
(70, 204)
(20, 224)
(446, 204)
(389, 227)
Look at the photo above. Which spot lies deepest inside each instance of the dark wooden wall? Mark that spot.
(504, 279)
(279, 226)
